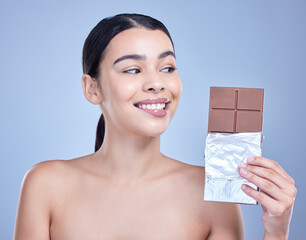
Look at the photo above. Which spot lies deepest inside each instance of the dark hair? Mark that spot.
(99, 38)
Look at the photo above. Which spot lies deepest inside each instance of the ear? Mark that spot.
(91, 90)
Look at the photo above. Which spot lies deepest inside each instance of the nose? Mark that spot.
(154, 84)
(156, 88)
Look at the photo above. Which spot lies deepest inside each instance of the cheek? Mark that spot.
(175, 86)
(123, 90)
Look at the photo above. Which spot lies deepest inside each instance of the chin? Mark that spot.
(156, 133)
(152, 131)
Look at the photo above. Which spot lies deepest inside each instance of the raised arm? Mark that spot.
(33, 212)
(277, 194)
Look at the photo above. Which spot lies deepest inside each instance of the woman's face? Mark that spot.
(140, 85)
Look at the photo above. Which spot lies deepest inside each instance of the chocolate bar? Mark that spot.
(234, 134)
(235, 110)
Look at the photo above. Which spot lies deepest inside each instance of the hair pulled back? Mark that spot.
(99, 38)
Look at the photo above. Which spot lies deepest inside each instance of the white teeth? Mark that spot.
(158, 106)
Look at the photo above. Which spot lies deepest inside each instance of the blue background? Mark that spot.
(45, 116)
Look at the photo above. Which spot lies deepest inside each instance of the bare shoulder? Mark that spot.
(49, 179)
(45, 168)
(46, 173)
(54, 169)
(224, 219)
(192, 176)
(37, 194)
(43, 181)
(189, 182)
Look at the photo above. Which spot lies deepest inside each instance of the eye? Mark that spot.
(132, 71)
(168, 69)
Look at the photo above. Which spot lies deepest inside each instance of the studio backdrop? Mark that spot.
(253, 44)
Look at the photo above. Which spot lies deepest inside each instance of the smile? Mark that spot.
(155, 106)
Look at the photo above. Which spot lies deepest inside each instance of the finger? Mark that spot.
(270, 175)
(267, 186)
(267, 163)
(267, 202)
(273, 207)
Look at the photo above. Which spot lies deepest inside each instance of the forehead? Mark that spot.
(139, 41)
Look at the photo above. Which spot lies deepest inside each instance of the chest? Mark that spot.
(91, 215)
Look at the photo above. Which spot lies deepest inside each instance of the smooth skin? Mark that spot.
(276, 196)
(128, 189)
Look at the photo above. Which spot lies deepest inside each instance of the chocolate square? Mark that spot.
(216, 121)
(222, 98)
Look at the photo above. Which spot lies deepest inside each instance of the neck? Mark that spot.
(128, 158)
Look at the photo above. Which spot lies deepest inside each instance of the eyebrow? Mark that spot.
(165, 54)
(143, 57)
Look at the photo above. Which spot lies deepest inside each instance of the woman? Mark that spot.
(127, 189)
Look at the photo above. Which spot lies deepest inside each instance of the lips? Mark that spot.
(152, 101)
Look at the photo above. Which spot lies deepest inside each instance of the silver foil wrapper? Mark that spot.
(223, 153)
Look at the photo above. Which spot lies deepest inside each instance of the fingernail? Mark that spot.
(242, 165)
(243, 187)
(250, 159)
(243, 171)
